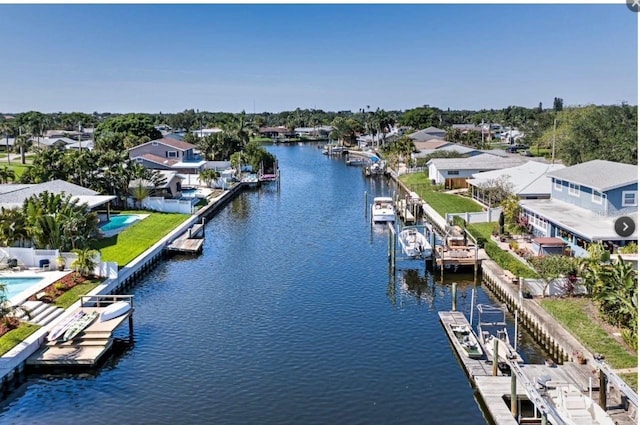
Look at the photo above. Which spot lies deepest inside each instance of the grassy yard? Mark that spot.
(16, 166)
(133, 241)
(72, 295)
(16, 336)
(573, 314)
(442, 202)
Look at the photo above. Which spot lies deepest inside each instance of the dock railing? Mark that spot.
(103, 300)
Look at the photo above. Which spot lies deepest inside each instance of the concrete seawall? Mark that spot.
(12, 364)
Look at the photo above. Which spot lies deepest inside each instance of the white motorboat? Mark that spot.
(382, 210)
(492, 326)
(576, 407)
(414, 243)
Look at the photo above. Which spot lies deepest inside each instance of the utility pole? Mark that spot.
(553, 143)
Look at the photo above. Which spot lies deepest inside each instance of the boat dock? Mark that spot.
(526, 386)
(91, 344)
(190, 242)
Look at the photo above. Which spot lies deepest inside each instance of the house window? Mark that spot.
(154, 143)
(557, 185)
(574, 189)
(596, 197)
(453, 173)
(172, 154)
(629, 198)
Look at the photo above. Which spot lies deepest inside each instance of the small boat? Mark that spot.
(414, 244)
(576, 407)
(492, 326)
(61, 328)
(250, 179)
(79, 325)
(382, 210)
(467, 340)
(114, 310)
(357, 161)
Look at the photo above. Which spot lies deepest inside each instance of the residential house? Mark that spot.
(280, 132)
(466, 127)
(428, 134)
(170, 188)
(454, 172)
(528, 181)
(204, 132)
(586, 199)
(321, 131)
(168, 154)
(14, 195)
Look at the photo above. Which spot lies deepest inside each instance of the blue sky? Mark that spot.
(167, 58)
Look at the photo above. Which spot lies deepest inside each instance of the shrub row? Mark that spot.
(508, 261)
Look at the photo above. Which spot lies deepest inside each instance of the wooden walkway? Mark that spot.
(495, 391)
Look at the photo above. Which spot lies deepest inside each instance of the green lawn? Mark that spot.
(72, 295)
(16, 166)
(16, 336)
(133, 241)
(442, 202)
(570, 312)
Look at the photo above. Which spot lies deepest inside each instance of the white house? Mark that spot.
(454, 171)
(529, 180)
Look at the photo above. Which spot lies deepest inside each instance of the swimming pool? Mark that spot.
(119, 222)
(15, 285)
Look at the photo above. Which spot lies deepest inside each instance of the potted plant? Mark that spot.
(61, 262)
(579, 357)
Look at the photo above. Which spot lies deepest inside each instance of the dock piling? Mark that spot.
(454, 296)
(514, 395)
(495, 357)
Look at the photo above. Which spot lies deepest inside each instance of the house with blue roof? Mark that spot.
(586, 199)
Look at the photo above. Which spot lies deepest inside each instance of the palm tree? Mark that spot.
(7, 129)
(140, 192)
(208, 175)
(23, 142)
(85, 262)
(13, 227)
(7, 174)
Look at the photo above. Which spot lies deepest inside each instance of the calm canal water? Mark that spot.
(290, 316)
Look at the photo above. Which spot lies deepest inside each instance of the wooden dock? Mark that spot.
(86, 349)
(530, 380)
(190, 242)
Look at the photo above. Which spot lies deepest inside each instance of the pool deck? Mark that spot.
(48, 277)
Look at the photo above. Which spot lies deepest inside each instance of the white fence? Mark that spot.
(156, 203)
(30, 258)
(489, 216)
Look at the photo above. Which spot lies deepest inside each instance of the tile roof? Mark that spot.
(157, 159)
(599, 174)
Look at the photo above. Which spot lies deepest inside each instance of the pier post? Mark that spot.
(366, 203)
(454, 296)
(495, 357)
(514, 395)
(602, 391)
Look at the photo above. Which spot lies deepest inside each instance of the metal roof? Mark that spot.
(483, 161)
(599, 174)
(583, 222)
(527, 179)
